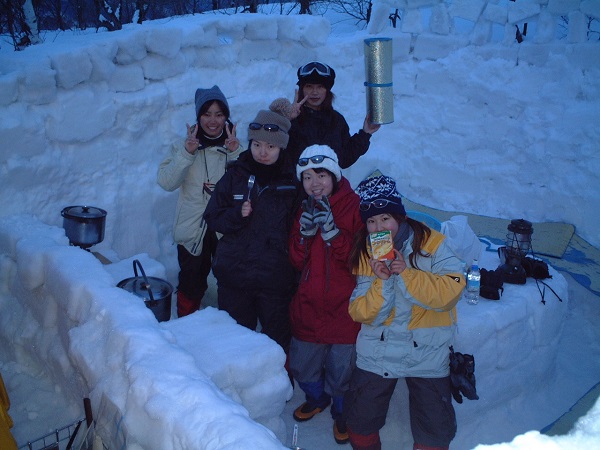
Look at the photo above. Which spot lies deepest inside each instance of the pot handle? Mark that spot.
(146, 284)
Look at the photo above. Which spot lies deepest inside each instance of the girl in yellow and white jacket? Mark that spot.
(407, 310)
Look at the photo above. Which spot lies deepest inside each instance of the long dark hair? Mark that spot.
(421, 235)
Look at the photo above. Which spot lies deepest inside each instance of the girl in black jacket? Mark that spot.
(252, 206)
(314, 121)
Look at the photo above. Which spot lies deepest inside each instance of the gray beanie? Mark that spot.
(274, 116)
(206, 95)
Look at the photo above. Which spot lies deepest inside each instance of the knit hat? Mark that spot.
(378, 195)
(206, 95)
(277, 125)
(329, 162)
(316, 72)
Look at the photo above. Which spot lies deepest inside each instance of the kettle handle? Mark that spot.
(146, 283)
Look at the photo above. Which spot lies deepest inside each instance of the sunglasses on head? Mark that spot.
(380, 203)
(267, 126)
(314, 66)
(317, 159)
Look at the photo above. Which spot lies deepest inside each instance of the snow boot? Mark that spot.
(311, 407)
(340, 432)
(186, 305)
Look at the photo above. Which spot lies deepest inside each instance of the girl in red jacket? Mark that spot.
(322, 351)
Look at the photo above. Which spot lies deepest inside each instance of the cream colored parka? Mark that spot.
(196, 176)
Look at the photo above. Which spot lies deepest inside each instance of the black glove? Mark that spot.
(324, 218)
(308, 228)
(462, 375)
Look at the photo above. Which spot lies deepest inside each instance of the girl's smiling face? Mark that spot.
(318, 185)
(382, 222)
(213, 121)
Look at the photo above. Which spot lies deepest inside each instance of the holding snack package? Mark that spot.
(405, 301)
(382, 245)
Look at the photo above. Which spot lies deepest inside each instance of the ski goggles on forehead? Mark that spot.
(380, 203)
(317, 159)
(320, 68)
(267, 126)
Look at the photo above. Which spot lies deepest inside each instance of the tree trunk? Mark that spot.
(32, 22)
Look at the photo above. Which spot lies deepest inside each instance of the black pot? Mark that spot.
(155, 292)
(84, 225)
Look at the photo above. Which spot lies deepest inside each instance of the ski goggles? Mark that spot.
(317, 159)
(322, 69)
(379, 203)
(255, 126)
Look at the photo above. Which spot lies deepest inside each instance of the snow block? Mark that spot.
(433, 46)
(412, 21)
(482, 32)
(199, 36)
(258, 51)
(39, 85)
(9, 88)
(309, 30)
(440, 22)
(495, 13)
(63, 124)
(578, 27)
(590, 8)
(521, 11)
(157, 67)
(132, 48)
(262, 28)
(127, 79)
(562, 7)
(102, 57)
(71, 68)
(164, 41)
(467, 9)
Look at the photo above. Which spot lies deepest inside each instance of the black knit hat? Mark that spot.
(316, 72)
(378, 195)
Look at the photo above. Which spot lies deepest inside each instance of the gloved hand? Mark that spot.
(308, 228)
(324, 218)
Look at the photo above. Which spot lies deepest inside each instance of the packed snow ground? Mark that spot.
(502, 130)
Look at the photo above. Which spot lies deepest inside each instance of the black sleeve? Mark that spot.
(353, 147)
(224, 213)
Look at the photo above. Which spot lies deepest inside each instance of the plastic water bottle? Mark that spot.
(473, 283)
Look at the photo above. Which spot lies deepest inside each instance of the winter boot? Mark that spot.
(186, 305)
(340, 431)
(311, 407)
(364, 442)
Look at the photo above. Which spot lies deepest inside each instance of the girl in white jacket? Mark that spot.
(195, 167)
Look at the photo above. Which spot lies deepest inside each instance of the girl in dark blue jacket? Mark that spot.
(251, 207)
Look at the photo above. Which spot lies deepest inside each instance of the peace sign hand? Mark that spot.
(191, 141)
(296, 107)
(232, 143)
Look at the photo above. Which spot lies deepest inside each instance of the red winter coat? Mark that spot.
(319, 310)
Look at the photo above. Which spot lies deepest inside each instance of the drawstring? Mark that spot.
(543, 293)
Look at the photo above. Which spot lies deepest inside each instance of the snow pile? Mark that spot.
(198, 382)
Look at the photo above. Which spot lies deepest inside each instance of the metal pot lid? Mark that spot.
(84, 212)
(160, 289)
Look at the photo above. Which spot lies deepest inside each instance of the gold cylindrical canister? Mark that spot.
(379, 83)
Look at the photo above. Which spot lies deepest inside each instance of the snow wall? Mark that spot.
(101, 113)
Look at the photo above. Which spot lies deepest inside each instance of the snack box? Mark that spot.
(382, 245)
